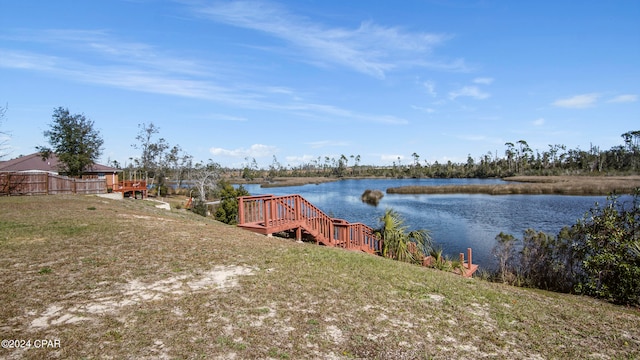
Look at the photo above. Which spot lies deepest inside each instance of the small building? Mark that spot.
(35, 163)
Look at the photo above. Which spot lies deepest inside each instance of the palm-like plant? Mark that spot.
(397, 240)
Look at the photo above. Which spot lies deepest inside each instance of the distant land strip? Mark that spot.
(535, 185)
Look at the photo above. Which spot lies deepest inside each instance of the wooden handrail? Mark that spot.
(269, 214)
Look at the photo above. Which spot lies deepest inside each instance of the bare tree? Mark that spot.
(205, 178)
(152, 159)
(4, 136)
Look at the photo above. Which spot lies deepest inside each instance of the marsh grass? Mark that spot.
(534, 185)
(127, 280)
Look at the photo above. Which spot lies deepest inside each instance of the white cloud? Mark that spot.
(327, 143)
(224, 117)
(370, 48)
(431, 88)
(470, 91)
(538, 122)
(423, 109)
(624, 98)
(483, 81)
(254, 151)
(299, 160)
(389, 158)
(140, 67)
(578, 101)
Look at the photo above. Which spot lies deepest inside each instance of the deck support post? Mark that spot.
(469, 258)
(241, 210)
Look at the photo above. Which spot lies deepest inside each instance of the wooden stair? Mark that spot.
(269, 214)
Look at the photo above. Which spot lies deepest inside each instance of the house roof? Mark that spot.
(34, 162)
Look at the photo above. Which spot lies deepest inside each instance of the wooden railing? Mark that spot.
(268, 214)
(131, 186)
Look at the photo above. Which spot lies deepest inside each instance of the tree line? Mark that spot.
(517, 159)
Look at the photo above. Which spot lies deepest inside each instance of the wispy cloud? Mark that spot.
(298, 160)
(538, 122)
(430, 86)
(254, 151)
(327, 143)
(423, 109)
(627, 98)
(483, 81)
(368, 48)
(224, 117)
(388, 158)
(469, 91)
(143, 71)
(578, 101)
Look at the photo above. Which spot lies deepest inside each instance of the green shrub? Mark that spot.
(199, 207)
(227, 210)
(598, 256)
(606, 241)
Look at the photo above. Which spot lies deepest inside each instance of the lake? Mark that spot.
(456, 221)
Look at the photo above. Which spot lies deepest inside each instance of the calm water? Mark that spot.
(456, 221)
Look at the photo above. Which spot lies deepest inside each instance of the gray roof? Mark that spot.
(34, 162)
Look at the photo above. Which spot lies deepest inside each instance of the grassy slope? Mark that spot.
(122, 279)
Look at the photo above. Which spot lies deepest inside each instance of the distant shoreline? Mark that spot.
(525, 185)
(535, 185)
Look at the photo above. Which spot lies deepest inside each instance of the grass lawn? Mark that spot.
(124, 279)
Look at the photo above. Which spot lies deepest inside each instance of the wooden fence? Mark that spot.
(48, 184)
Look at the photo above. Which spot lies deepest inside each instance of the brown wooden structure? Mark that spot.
(131, 188)
(269, 214)
(467, 267)
(44, 183)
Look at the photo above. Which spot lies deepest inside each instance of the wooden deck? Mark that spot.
(268, 214)
(132, 188)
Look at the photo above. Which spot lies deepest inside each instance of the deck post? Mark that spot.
(265, 211)
(331, 234)
(241, 210)
(273, 215)
(469, 258)
(298, 210)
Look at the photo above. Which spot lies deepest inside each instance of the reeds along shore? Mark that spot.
(534, 186)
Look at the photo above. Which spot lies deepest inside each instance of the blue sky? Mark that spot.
(227, 80)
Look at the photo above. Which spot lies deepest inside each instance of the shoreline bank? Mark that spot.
(535, 185)
(518, 185)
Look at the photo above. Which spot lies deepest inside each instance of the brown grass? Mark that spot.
(535, 185)
(123, 279)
